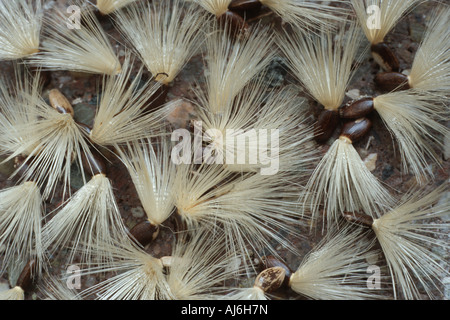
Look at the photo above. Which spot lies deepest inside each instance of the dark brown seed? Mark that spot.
(93, 163)
(355, 130)
(385, 57)
(270, 279)
(157, 99)
(234, 22)
(392, 81)
(25, 280)
(144, 232)
(357, 109)
(359, 218)
(271, 261)
(326, 124)
(59, 102)
(245, 5)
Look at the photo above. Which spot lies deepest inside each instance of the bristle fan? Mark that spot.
(153, 174)
(15, 293)
(106, 7)
(21, 213)
(215, 7)
(324, 63)
(49, 139)
(308, 14)
(431, 67)
(377, 18)
(121, 114)
(232, 62)
(136, 275)
(20, 28)
(199, 266)
(165, 34)
(267, 208)
(414, 120)
(414, 239)
(342, 182)
(82, 48)
(266, 125)
(336, 269)
(87, 216)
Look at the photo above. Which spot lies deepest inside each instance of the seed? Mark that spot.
(326, 124)
(270, 279)
(271, 261)
(59, 102)
(392, 81)
(25, 280)
(385, 57)
(245, 5)
(93, 163)
(357, 109)
(359, 218)
(144, 232)
(355, 130)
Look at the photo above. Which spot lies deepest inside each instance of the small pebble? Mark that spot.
(137, 212)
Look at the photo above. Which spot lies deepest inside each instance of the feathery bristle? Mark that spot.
(336, 269)
(200, 267)
(384, 14)
(55, 288)
(49, 140)
(232, 62)
(139, 276)
(412, 120)
(216, 7)
(324, 62)
(253, 293)
(266, 207)
(121, 115)
(85, 49)
(90, 215)
(15, 293)
(431, 67)
(109, 6)
(164, 35)
(21, 213)
(266, 124)
(153, 174)
(409, 236)
(307, 14)
(20, 28)
(342, 182)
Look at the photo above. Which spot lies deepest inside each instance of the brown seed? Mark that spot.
(271, 261)
(392, 81)
(270, 279)
(59, 102)
(326, 124)
(25, 280)
(357, 109)
(355, 130)
(144, 232)
(385, 57)
(93, 163)
(157, 99)
(245, 5)
(359, 218)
